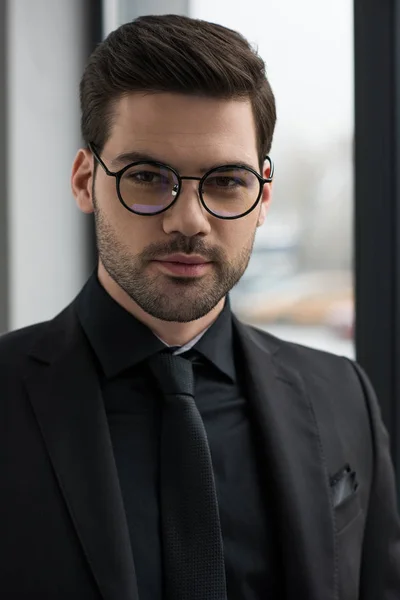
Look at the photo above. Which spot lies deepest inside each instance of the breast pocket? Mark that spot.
(347, 510)
(350, 532)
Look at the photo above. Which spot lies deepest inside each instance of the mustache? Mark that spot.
(183, 245)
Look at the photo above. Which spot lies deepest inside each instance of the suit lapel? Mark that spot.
(291, 447)
(66, 399)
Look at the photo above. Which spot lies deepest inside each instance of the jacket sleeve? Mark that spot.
(380, 570)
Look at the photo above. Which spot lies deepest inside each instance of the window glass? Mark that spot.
(299, 283)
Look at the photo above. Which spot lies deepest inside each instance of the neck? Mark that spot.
(171, 332)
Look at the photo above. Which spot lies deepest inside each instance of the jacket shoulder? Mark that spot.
(325, 375)
(302, 358)
(16, 345)
(335, 390)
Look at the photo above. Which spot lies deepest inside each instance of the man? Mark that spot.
(153, 446)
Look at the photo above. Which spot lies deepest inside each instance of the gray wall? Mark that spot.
(47, 256)
(116, 12)
(3, 175)
(130, 10)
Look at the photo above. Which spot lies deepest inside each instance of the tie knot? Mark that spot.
(173, 374)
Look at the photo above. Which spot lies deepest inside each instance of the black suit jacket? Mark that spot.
(63, 528)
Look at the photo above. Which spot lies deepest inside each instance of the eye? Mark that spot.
(224, 181)
(146, 177)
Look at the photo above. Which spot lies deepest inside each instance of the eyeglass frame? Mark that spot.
(118, 176)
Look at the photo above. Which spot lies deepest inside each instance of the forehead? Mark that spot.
(183, 129)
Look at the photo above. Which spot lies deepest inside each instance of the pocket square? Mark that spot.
(343, 484)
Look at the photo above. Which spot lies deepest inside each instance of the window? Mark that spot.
(299, 283)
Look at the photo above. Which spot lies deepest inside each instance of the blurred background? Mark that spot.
(326, 266)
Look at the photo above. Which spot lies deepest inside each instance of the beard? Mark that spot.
(169, 298)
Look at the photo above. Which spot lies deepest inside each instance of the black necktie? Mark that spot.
(192, 540)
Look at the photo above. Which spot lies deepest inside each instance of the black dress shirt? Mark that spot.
(121, 344)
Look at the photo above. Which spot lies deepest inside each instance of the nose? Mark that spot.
(187, 215)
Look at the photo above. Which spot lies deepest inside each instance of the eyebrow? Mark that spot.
(131, 157)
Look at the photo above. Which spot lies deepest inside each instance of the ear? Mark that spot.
(266, 196)
(82, 179)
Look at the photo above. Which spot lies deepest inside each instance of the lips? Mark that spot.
(184, 259)
(184, 265)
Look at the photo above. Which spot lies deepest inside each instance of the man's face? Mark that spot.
(192, 135)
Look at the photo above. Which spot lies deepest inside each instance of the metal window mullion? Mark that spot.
(377, 202)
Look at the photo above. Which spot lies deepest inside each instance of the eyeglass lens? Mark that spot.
(149, 189)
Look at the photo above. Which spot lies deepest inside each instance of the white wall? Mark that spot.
(47, 245)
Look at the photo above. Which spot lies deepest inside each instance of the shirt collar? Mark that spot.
(216, 344)
(185, 347)
(120, 341)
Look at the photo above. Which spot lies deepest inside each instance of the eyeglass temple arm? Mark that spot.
(271, 170)
(93, 150)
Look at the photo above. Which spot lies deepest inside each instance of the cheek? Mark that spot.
(237, 236)
(129, 228)
(137, 232)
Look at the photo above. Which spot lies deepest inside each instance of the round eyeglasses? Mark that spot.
(150, 188)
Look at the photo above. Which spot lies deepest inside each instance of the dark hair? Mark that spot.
(172, 53)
